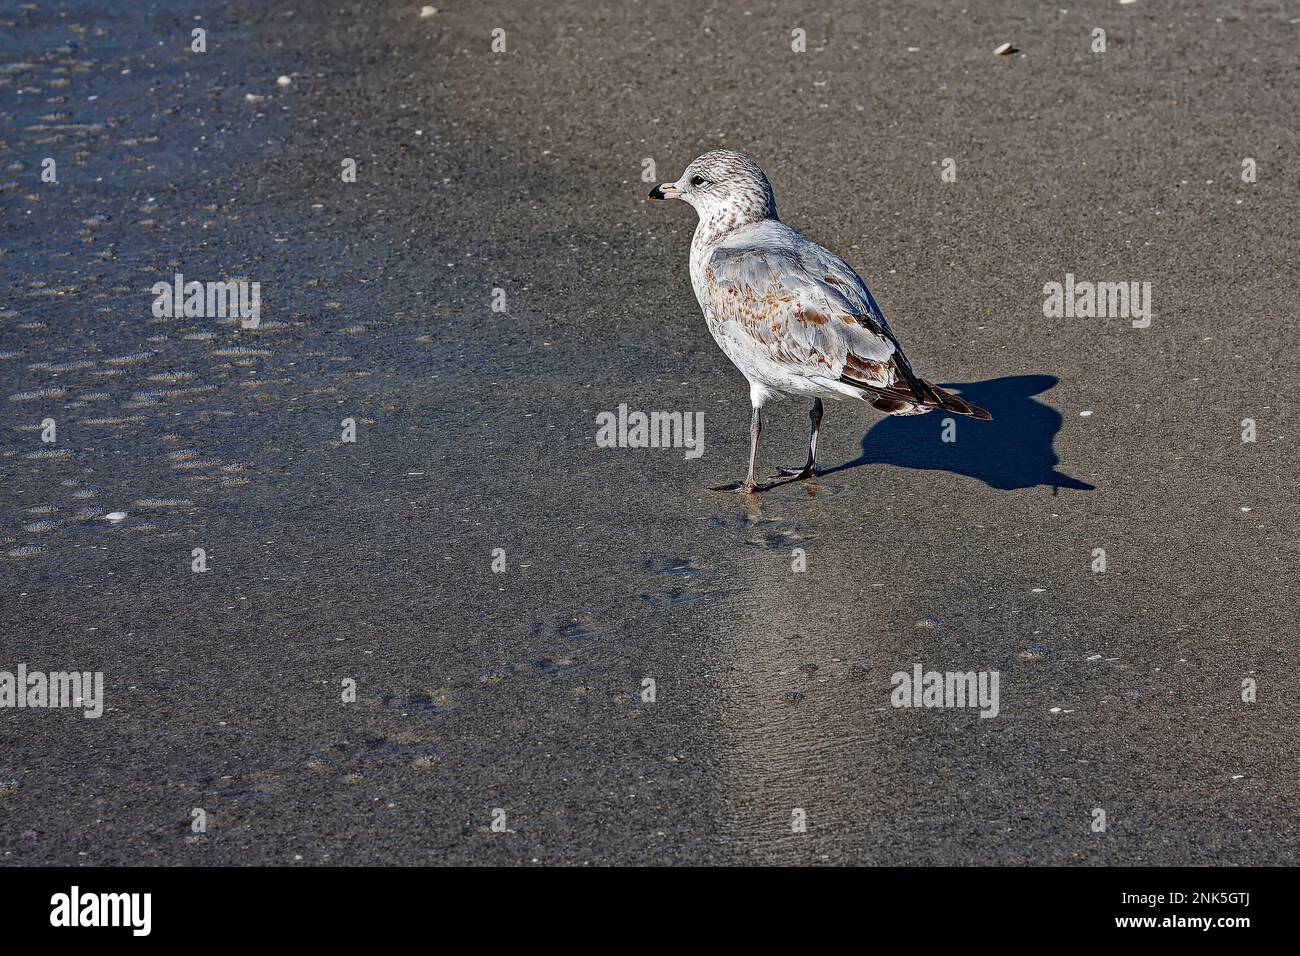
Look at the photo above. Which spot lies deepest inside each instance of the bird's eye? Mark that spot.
(698, 181)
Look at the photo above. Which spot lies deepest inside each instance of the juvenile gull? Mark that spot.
(792, 316)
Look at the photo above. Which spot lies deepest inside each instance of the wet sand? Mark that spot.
(371, 561)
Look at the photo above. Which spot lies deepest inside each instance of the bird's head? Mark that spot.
(725, 187)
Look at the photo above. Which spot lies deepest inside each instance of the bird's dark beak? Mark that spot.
(665, 191)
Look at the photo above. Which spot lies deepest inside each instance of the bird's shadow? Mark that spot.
(1012, 451)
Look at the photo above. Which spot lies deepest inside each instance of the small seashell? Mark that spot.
(1004, 50)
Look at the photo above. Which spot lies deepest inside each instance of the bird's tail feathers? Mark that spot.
(904, 398)
(953, 403)
(911, 394)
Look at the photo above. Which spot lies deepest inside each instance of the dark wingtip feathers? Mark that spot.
(902, 399)
(952, 403)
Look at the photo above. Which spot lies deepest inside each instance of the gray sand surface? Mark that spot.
(371, 561)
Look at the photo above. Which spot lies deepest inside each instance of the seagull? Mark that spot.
(791, 315)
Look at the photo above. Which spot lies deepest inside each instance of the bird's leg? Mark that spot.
(816, 416)
(749, 486)
(809, 470)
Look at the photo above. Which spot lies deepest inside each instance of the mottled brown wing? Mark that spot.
(769, 301)
(806, 311)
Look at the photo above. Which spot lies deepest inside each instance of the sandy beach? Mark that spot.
(361, 583)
